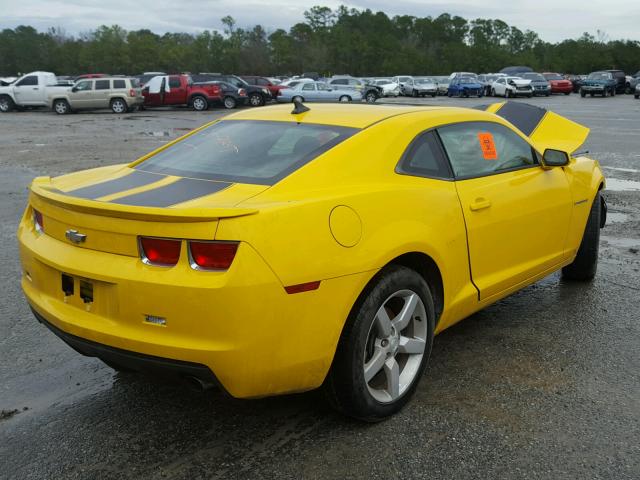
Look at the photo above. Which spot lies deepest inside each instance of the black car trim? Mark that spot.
(180, 191)
(522, 115)
(135, 361)
(136, 178)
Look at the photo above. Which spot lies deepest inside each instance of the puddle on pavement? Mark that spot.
(623, 242)
(617, 185)
(166, 133)
(617, 217)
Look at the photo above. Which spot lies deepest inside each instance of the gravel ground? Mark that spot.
(544, 384)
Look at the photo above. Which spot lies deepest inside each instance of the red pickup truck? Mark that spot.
(180, 90)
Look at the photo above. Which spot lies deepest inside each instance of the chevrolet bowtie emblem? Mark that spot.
(75, 236)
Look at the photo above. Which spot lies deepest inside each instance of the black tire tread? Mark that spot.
(585, 265)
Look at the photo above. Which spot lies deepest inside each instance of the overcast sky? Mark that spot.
(553, 20)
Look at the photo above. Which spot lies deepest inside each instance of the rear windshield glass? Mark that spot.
(244, 151)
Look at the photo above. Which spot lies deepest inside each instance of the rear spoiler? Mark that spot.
(42, 192)
(544, 128)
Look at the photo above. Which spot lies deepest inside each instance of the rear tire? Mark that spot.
(61, 107)
(119, 106)
(199, 103)
(344, 98)
(371, 97)
(6, 104)
(585, 264)
(375, 340)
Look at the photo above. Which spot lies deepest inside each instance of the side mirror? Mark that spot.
(555, 158)
(74, 89)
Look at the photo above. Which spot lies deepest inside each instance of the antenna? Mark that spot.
(299, 107)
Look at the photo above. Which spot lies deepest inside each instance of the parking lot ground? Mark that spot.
(544, 384)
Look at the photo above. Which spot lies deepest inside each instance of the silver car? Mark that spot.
(421, 86)
(318, 92)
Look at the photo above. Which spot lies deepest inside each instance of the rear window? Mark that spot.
(244, 151)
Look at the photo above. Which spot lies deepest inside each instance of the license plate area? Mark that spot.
(82, 287)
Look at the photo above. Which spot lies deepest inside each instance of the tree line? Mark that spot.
(344, 40)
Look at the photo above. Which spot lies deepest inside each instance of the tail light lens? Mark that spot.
(212, 255)
(160, 251)
(132, 93)
(38, 221)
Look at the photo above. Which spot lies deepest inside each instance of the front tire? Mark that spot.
(371, 97)
(585, 264)
(384, 347)
(6, 104)
(229, 103)
(256, 100)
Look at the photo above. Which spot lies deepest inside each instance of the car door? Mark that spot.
(309, 92)
(500, 86)
(517, 214)
(99, 96)
(81, 94)
(177, 93)
(27, 91)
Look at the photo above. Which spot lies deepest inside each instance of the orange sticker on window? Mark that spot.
(487, 146)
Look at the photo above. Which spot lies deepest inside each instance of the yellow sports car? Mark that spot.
(276, 251)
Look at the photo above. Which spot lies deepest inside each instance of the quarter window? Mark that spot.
(425, 158)
(119, 84)
(483, 148)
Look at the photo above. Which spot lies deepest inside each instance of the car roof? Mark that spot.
(355, 116)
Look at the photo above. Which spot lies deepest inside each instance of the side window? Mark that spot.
(484, 148)
(308, 86)
(119, 84)
(28, 81)
(103, 84)
(262, 82)
(83, 85)
(174, 82)
(425, 158)
(340, 81)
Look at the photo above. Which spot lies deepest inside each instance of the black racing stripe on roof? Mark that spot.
(522, 115)
(179, 191)
(135, 179)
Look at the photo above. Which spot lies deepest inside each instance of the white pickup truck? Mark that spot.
(30, 90)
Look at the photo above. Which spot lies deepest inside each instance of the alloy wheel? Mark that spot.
(199, 103)
(118, 106)
(395, 346)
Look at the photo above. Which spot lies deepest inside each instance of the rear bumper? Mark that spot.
(133, 360)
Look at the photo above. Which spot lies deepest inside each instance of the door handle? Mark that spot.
(36, 88)
(479, 204)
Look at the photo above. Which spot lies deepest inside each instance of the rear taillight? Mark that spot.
(132, 93)
(212, 255)
(38, 221)
(160, 251)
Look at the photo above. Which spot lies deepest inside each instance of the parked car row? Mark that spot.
(203, 90)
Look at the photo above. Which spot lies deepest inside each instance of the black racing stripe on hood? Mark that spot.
(524, 116)
(179, 191)
(133, 180)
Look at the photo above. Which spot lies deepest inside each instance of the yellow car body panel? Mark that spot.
(338, 221)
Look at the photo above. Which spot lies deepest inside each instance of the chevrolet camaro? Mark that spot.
(278, 251)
